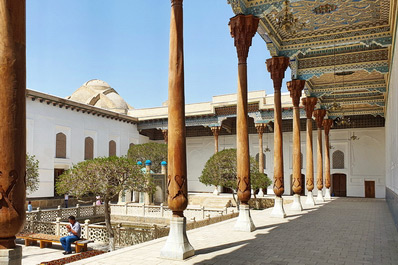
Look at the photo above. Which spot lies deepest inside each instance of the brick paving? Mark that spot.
(343, 231)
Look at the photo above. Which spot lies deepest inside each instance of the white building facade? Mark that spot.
(62, 132)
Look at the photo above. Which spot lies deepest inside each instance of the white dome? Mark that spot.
(96, 83)
(100, 94)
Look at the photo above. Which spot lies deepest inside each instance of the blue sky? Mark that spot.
(126, 43)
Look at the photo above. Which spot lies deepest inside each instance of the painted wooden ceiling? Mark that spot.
(343, 50)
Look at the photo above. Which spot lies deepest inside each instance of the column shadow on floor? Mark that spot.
(337, 232)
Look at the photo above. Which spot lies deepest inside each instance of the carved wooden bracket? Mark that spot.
(319, 115)
(296, 88)
(277, 67)
(260, 127)
(309, 104)
(243, 28)
(216, 130)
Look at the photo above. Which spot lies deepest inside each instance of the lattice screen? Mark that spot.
(338, 159)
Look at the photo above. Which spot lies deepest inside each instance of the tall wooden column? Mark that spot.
(13, 122)
(177, 244)
(277, 67)
(319, 115)
(177, 164)
(243, 28)
(260, 127)
(296, 87)
(309, 104)
(216, 130)
(260, 130)
(327, 124)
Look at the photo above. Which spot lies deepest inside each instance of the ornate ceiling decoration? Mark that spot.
(339, 36)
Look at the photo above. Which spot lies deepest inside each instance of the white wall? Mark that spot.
(392, 125)
(44, 121)
(364, 158)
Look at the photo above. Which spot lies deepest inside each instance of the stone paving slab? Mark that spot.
(343, 231)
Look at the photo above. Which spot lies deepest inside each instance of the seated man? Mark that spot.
(74, 234)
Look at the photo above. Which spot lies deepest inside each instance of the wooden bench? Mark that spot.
(47, 240)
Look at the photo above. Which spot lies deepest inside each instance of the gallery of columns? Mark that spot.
(322, 69)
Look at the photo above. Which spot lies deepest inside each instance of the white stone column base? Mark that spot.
(296, 205)
(177, 246)
(310, 199)
(278, 210)
(216, 192)
(244, 222)
(260, 193)
(319, 198)
(327, 194)
(11, 256)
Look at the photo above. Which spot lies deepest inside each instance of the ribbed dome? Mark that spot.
(100, 94)
(96, 83)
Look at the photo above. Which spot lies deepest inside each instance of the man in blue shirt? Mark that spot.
(74, 230)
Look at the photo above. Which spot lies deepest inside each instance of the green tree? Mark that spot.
(220, 170)
(155, 152)
(106, 177)
(32, 173)
(259, 180)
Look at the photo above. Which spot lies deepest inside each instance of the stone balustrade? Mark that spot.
(134, 209)
(64, 213)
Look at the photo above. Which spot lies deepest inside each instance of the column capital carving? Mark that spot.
(309, 104)
(327, 124)
(319, 115)
(277, 67)
(242, 29)
(260, 127)
(215, 130)
(296, 88)
(176, 2)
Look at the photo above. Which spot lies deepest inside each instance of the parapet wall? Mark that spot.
(392, 201)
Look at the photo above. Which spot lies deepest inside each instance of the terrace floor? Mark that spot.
(342, 231)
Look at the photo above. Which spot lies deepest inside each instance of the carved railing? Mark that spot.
(124, 236)
(164, 212)
(42, 221)
(64, 213)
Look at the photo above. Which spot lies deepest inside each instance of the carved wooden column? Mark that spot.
(216, 130)
(319, 114)
(165, 133)
(277, 67)
(296, 87)
(243, 28)
(177, 244)
(13, 127)
(327, 124)
(260, 130)
(260, 127)
(309, 104)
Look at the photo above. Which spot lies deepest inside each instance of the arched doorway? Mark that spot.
(339, 185)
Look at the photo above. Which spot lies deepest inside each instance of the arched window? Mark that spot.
(60, 145)
(112, 148)
(88, 148)
(338, 159)
(258, 159)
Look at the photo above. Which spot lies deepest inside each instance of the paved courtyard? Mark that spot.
(343, 231)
